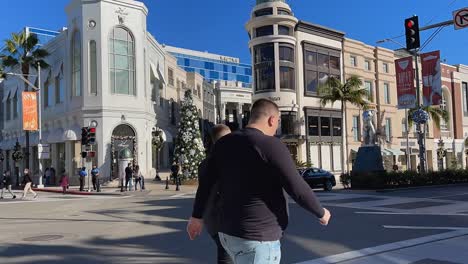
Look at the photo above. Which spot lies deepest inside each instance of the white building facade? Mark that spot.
(290, 58)
(103, 68)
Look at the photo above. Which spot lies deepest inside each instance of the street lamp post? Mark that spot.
(17, 156)
(422, 121)
(441, 153)
(157, 142)
(39, 105)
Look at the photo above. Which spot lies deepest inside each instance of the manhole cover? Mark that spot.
(43, 238)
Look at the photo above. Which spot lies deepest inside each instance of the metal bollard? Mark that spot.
(167, 183)
(177, 184)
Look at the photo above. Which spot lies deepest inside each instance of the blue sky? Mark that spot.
(218, 25)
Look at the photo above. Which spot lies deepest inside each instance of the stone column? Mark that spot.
(239, 114)
(69, 157)
(223, 113)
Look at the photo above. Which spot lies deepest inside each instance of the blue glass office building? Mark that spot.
(224, 68)
(43, 35)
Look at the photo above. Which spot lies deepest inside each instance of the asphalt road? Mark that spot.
(150, 227)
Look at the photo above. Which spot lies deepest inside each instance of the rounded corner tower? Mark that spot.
(272, 44)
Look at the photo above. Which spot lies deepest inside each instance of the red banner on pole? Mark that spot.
(405, 83)
(30, 119)
(432, 78)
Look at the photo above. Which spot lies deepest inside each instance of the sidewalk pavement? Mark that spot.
(151, 186)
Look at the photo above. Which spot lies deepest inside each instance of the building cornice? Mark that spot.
(319, 30)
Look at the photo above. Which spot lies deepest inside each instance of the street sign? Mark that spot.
(43, 151)
(460, 18)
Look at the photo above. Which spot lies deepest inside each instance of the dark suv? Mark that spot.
(318, 178)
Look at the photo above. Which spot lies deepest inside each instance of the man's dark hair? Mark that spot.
(262, 108)
(217, 132)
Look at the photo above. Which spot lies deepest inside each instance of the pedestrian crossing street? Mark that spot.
(51, 197)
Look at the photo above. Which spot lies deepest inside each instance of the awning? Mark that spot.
(8, 144)
(5, 97)
(54, 136)
(13, 94)
(396, 152)
(157, 72)
(385, 152)
(57, 69)
(167, 136)
(72, 134)
(161, 74)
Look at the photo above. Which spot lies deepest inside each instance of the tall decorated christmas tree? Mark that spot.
(189, 150)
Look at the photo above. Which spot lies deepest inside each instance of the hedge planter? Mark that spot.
(386, 180)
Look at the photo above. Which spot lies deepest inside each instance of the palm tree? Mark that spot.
(22, 51)
(436, 114)
(349, 92)
(2, 72)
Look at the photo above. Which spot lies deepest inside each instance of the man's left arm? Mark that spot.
(207, 179)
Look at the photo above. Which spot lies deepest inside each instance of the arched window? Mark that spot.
(122, 61)
(444, 106)
(93, 67)
(76, 64)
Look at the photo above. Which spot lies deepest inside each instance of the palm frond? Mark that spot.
(30, 42)
(9, 61)
(40, 53)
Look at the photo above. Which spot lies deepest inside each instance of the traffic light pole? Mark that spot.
(420, 131)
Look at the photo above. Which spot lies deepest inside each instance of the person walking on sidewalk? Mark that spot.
(128, 177)
(64, 181)
(138, 178)
(211, 216)
(5, 184)
(82, 175)
(175, 171)
(27, 182)
(96, 179)
(253, 204)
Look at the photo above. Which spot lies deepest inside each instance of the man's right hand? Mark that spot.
(326, 217)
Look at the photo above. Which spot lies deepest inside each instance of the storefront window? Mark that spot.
(264, 67)
(264, 31)
(336, 123)
(287, 123)
(264, 12)
(319, 64)
(324, 126)
(313, 122)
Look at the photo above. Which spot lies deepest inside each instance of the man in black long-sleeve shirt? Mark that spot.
(252, 168)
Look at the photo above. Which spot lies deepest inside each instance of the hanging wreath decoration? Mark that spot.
(17, 155)
(157, 141)
(420, 116)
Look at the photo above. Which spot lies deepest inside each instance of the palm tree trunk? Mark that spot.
(344, 145)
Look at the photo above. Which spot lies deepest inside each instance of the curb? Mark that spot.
(420, 187)
(77, 192)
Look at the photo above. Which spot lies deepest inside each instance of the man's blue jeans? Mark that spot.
(244, 251)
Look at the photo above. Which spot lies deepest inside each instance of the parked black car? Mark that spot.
(318, 178)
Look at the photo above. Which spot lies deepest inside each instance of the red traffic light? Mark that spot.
(410, 24)
(92, 130)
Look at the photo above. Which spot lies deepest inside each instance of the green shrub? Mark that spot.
(382, 180)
